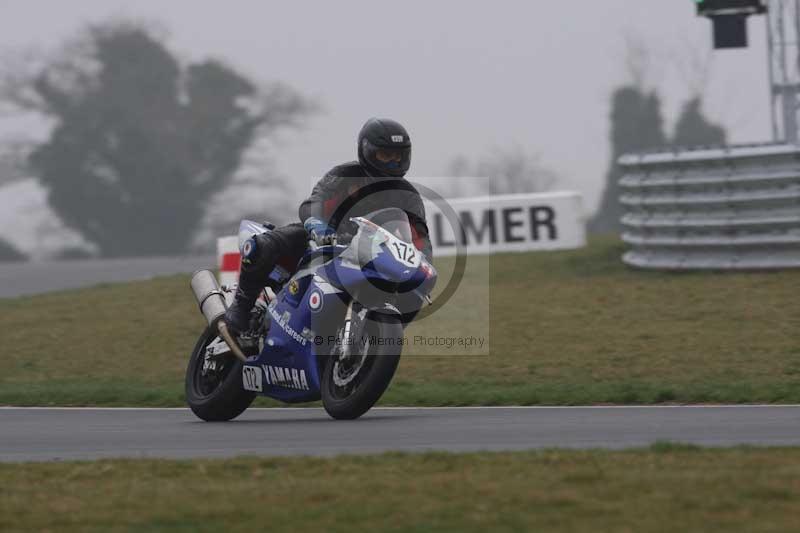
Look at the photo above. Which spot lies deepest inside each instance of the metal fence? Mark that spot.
(732, 208)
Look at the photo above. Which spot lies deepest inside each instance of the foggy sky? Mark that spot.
(462, 76)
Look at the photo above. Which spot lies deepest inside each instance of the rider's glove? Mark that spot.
(318, 230)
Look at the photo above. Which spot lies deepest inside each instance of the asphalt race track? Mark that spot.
(35, 277)
(36, 434)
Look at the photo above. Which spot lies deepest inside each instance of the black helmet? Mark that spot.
(384, 148)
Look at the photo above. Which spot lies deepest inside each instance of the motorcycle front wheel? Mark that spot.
(352, 385)
(214, 389)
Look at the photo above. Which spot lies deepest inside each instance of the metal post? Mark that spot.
(795, 75)
(784, 66)
(771, 75)
(790, 83)
(787, 104)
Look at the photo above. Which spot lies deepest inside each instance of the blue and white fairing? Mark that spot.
(378, 265)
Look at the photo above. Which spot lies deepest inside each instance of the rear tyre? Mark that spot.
(351, 387)
(215, 395)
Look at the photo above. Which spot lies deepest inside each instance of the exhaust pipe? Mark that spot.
(211, 300)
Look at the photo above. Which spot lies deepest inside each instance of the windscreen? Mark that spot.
(367, 241)
(393, 220)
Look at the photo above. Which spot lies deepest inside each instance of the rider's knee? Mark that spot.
(287, 241)
(267, 248)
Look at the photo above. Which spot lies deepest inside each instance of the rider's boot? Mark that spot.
(237, 317)
(257, 264)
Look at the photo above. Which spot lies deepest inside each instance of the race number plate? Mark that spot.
(251, 378)
(404, 252)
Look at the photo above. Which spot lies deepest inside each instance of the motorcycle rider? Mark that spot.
(375, 181)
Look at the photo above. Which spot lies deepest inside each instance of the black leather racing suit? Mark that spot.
(345, 191)
(348, 191)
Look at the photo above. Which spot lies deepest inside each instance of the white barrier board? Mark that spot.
(486, 225)
(509, 223)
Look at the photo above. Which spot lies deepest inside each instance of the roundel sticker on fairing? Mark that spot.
(315, 300)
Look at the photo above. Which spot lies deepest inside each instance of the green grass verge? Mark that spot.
(574, 327)
(666, 487)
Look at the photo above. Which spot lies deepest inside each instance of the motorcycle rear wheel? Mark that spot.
(376, 363)
(220, 397)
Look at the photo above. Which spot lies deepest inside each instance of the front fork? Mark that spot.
(348, 324)
(354, 319)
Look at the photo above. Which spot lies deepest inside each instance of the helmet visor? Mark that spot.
(390, 161)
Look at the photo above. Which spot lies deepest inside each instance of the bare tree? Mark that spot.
(141, 141)
(13, 159)
(257, 193)
(693, 65)
(638, 59)
(512, 170)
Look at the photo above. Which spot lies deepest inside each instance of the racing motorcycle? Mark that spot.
(332, 330)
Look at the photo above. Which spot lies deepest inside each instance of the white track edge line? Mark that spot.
(421, 408)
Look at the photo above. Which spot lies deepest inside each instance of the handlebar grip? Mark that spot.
(313, 246)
